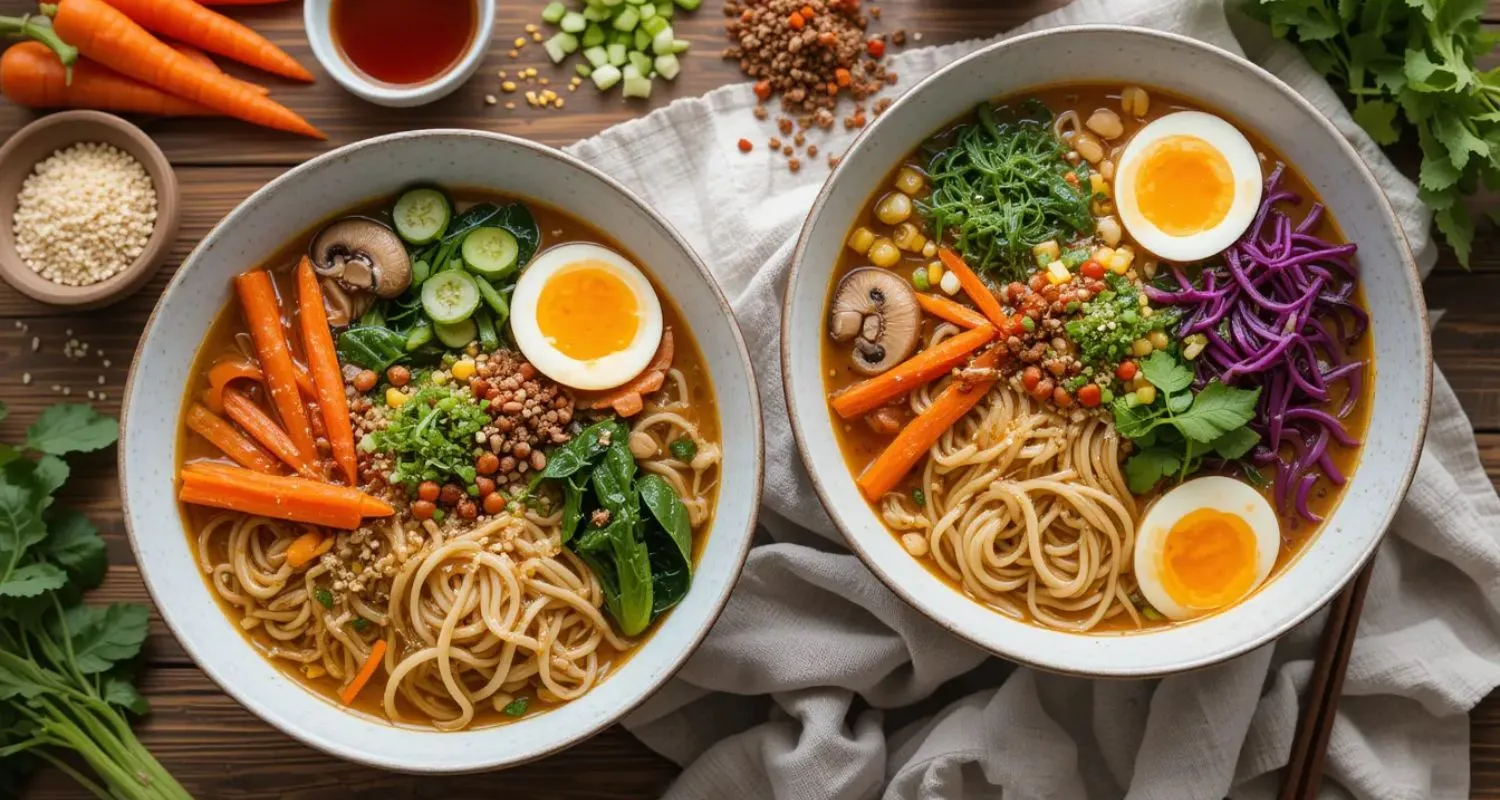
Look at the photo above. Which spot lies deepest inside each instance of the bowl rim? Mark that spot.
(127, 281)
(350, 750)
(1409, 271)
(317, 22)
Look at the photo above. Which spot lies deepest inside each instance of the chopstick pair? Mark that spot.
(1304, 772)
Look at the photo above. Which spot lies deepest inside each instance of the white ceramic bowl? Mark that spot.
(317, 20)
(1251, 97)
(329, 185)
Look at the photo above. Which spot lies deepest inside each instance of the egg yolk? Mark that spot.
(587, 311)
(1183, 185)
(1209, 559)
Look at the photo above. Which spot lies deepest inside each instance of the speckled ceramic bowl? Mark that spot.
(1253, 98)
(285, 208)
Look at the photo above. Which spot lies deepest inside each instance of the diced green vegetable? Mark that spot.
(583, 70)
(486, 325)
(639, 86)
(627, 19)
(421, 215)
(491, 252)
(420, 334)
(665, 9)
(559, 46)
(606, 76)
(647, 11)
(655, 25)
(668, 66)
(593, 35)
(641, 40)
(554, 12)
(596, 13)
(450, 296)
(495, 301)
(679, 46)
(596, 56)
(457, 334)
(661, 44)
(641, 62)
(573, 22)
(689, 5)
(616, 55)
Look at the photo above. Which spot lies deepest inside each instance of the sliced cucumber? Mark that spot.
(450, 296)
(491, 252)
(420, 334)
(456, 334)
(421, 215)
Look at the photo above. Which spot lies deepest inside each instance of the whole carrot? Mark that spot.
(33, 76)
(103, 33)
(189, 22)
(202, 58)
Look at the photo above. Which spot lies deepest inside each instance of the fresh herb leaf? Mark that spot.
(1235, 443)
(515, 708)
(120, 692)
(683, 449)
(74, 544)
(324, 598)
(1165, 372)
(103, 636)
(64, 429)
(1146, 468)
(31, 580)
(374, 348)
(1217, 410)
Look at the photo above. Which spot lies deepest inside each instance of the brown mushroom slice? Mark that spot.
(877, 310)
(342, 305)
(363, 256)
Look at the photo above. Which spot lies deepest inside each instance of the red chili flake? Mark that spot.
(746, 146)
(876, 48)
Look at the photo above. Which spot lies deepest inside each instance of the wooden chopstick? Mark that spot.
(1304, 772)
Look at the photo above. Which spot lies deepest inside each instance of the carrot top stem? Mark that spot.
(39, 27)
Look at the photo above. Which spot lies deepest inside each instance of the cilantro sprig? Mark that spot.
(1411, 59)
(66, 668)
(1177, 431)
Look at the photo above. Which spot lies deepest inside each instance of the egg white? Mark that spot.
(1244, 168)
(607, 371)
(1225, 495)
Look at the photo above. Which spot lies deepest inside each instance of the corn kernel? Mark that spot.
(950, 284)
(313, 671)
(1103, 255)
(1146, 394)
(1057, 273)
(463, 369)
(1158, 339)
(929, 250)
(861, 240)
(935, 272)
(1098, 185)
(1141, 347)
(1120, 261)
(394, 397)
(1047, 251)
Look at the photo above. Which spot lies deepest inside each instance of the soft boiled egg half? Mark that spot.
(1187, 185)
(1205, 545)
(586, 317)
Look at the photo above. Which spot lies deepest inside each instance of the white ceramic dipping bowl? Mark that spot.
(1250, 97)
(285, 208)
(317, 20)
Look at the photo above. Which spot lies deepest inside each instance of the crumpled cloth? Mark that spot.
(817, 682)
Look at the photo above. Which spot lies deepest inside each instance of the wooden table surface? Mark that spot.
(217, 749)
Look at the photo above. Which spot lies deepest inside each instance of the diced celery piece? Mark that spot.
(573, 22)
(639, 86)
(593, 35)
(679, 46)
(634, 2)
(641, 41)
(554, 12)
(664, 8)
(648, 10)
(616, 54)
(627, 19)
(654, 25)
(641, 62)
(583, 70)
(622, 38)
(661, 43)
(689, 5)
(596, 56)
(560, 45)
(613, 3)
(606, 77)
(668, 66)
(596, 13)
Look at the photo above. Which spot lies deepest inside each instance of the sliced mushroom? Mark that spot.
(876, 309)
(344, 306)
(363, 256)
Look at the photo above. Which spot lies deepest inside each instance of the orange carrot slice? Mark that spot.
(934, 362)
(223, 436)
(323, 363)
(956, 313)
(366, 671)
(248, 415)
(263, 315)
(974, 288)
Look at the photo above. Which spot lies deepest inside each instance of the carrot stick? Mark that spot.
(106, 35)
(277, 496)
(366, 671)
(200, 57)
(33, 76)
(918, 436)
(189, 22)
(956, 313)
(239, 2)
(323, 362)
(935, 361)
(235, 368)
(248, 415)
(263, 314)
(974, 287)
(307, 547)
(628, 396)
(223, 435)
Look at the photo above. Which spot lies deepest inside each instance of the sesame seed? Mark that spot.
(490, 100)
(67, 390)
(101, 380)
(26, 379)
(36, 344)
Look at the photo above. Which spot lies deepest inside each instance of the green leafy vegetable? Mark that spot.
(683, 449)
(515, 218)
(1176, 432)
(374, 348)
(516, 708)
(999, 188)
(1411, 61)
(66, 668)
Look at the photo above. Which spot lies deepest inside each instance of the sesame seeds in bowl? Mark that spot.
(88, 208)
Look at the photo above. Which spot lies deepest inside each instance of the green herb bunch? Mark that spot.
(1000, 188)
(66, 668)
(1411, 59)
(431, 437)
(1182, 427)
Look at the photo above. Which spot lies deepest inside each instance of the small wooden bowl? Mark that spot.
(40, 140)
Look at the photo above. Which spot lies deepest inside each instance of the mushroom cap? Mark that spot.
(878, 310)
(343, 306)
(363, 255)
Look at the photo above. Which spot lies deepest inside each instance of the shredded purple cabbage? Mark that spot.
(1280, 314)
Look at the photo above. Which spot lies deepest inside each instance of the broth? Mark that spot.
(861, 443)
(403, 42)
(229, 334)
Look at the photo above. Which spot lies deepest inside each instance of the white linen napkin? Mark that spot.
(817, 682)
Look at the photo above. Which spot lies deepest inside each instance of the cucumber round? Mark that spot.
(450, 296)
(421, 215)
(491, 252)
(456, 334)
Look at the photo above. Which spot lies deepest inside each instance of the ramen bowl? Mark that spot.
(1267, 110)
(155, 401)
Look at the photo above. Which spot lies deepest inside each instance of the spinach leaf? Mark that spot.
(583, 451)
(477, 215)
(371, 347)
(671, 572)
(661, 500)
(623, 566)
(572, 507)
(516, 218)
(64, 429)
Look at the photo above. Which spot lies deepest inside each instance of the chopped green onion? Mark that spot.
(1028, 323)
(919, 497)
(515, 708)
(360, 624)
(324, 598)
(553, 12)
(641, 62)
(683, 449)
